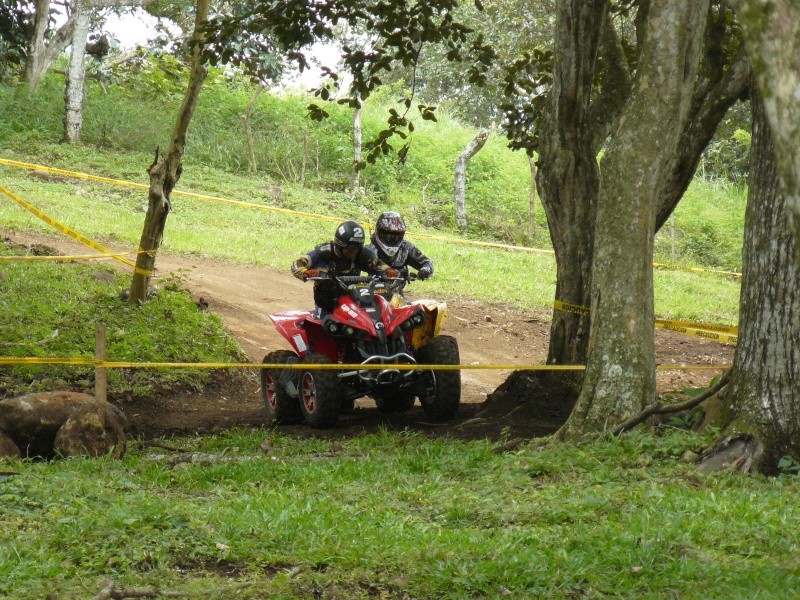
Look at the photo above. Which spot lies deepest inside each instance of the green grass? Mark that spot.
(50, 309)
(391, 513)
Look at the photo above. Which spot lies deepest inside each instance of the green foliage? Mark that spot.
(727, 156)
(394, 514)
(16, 28)
(50, 309)
(708, 226)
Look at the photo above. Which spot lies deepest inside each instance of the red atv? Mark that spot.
(363, 329)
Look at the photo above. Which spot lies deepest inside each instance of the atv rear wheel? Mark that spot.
(281, 407)
(396, 402)
(319, 393)
(443, 401)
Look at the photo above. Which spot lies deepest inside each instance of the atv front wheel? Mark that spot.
(319, 393)
(443, 400)
(281, 407)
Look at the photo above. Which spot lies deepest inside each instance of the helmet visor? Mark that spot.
(391, 239)
(350, 251)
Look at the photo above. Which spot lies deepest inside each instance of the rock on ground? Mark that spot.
(61, 423)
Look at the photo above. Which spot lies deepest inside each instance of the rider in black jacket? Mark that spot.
(344, 255)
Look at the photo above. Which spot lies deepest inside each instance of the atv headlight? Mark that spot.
(415, 320)
(331, 326)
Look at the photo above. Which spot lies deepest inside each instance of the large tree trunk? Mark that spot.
(772, 34)
(73, 93)
(573, 134)
(460, 195)
(762, 405)
(568, 177)
(166, 170)
(620, 373)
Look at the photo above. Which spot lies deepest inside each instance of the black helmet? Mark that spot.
(389, 231)
(349, 236)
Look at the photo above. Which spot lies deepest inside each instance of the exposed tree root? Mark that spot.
(112, 592)
(660, 409)
(740, 452)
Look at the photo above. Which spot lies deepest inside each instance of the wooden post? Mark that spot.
(100, 381)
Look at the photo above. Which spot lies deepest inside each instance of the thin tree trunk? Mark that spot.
(76, 76)
(355, 182)
(166, 170)
(251, 152)
(620, 375)
(471, 150)
(532, 200)
(305, 157)
(763, 398)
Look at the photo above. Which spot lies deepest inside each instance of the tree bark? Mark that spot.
(568, 178)
(772, 35)
(763, 399)
(251, 152)
(460, 185)
(620, 375)
(166, 170)
(76, 75)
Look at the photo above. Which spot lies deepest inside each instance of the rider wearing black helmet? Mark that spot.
(344, 255)
(388, 243)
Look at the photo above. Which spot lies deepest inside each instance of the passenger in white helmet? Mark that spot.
(388, 241)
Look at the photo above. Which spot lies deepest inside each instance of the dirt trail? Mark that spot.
(243, 296)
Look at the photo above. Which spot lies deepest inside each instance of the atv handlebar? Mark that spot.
(347, 280)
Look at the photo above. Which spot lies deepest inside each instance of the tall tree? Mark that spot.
(761, 419)
(592, 67)
(620, 372)
(772, 32)
(166, 169)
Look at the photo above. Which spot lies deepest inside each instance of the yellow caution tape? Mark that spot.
(725, 338)
(727, 329)
(694, 269)
(572, 308)
(22, 165)
(108, 364)
(67, 258)
(721, 333)
(71, 232)
(367, 226)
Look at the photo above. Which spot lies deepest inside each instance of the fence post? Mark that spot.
(100, 381)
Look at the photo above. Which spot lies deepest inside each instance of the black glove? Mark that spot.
(424, 272)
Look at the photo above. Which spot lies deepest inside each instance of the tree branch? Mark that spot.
(659, 409)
